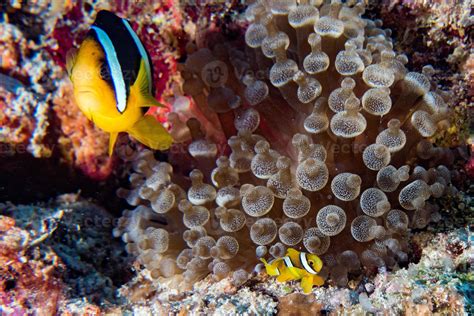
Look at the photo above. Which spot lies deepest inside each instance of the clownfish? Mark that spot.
(294, 266)
(112, 78)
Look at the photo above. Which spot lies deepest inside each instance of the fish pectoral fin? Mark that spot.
(298, 272)
(317, 280)
(112, 140)
(151, 133)
(286, 275)
(307, 284)
(141, 88)
(70, 60)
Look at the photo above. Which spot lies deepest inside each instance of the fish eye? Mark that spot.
(311, 262)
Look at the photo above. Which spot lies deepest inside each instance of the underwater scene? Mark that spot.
(266, 157)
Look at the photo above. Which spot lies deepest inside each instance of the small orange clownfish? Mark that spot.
(294, 266)
(112, 78)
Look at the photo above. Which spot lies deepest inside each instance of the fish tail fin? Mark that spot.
(151, 133)
(112, 140)
(141, 89)
(271, 270)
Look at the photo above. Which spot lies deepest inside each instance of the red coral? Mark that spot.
(67, 33)
(80, 141)
(26, 286)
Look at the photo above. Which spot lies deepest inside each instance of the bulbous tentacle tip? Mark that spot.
(264, 146)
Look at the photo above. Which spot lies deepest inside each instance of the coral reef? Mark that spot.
(44, 270)
(46, 256)
(439, 283)
(448, 27)
(445, 43)
(28, 121)
(24, 119)
(28, 280)
(287, 134)
(313, 135)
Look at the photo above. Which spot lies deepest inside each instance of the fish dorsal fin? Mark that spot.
(143, 53)
(293, 254)
(141, 88)
(71, 56)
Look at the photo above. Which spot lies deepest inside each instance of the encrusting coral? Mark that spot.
(26, 281)
(329, 150)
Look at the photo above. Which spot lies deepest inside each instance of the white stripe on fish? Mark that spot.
(115, 68)
(306, 265)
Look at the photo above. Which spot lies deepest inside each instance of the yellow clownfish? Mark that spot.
(294, 266)
(112, 78)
